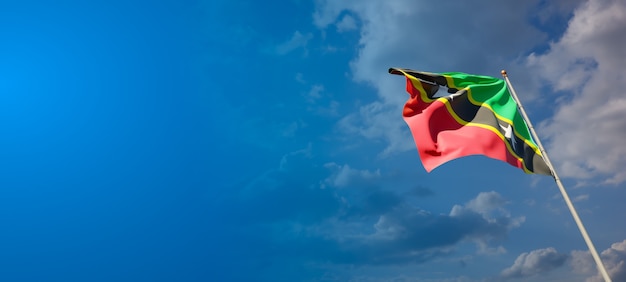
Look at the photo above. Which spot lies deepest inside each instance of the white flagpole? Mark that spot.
(572, 210)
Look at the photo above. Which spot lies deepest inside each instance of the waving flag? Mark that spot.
(477, 116)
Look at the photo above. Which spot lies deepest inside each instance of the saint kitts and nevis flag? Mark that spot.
(477, 116)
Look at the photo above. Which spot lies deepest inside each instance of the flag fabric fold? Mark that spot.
(475, 116)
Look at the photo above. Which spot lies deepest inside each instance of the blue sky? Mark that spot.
(263, 141)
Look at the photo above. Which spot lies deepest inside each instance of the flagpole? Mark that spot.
(572, 210)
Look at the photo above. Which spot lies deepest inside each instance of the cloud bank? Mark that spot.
(586, 64)
(330, 216)
(534, 263)
(614, 259)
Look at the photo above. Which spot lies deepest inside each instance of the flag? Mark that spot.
(477, 116)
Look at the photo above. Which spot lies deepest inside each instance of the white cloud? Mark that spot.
(486, 202)
(490, 206)
(534, 263)
(297, 40)
(582, 262)
(587, 130)
(613, 258)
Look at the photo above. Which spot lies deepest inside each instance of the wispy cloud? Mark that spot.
(315, 93)
(379, 121)
(344, 175)
(297, 40)
(581, 198)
